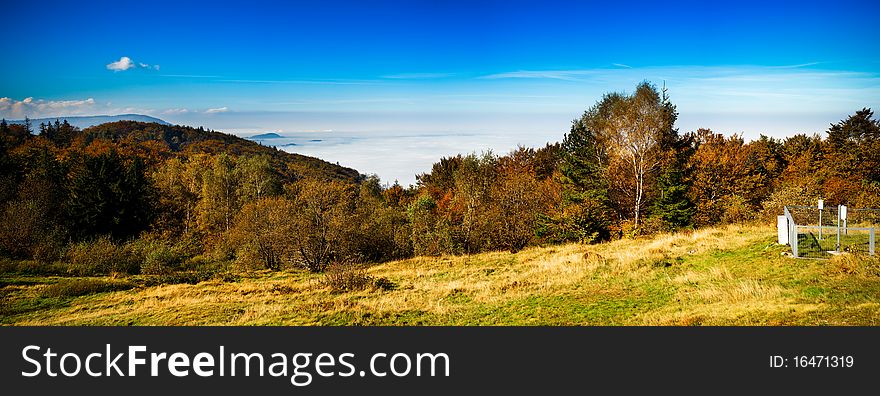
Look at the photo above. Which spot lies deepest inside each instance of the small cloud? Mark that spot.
(622, 65)
(175, 111)
(124, 63)
(217, 110)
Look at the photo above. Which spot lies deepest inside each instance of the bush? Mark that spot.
(735, 209)
(160, 258)
(346, 277)
(655, 225)
(203, 263)
(383, 284)
(102, 257)
(30, 267)
(82, 287)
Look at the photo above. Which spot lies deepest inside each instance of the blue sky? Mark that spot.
(523, 68)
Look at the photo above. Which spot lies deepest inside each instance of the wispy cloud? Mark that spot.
(418, 76)
(622, 65)
(567, 75)
(187, 76)
(174, 111)
(796, 66)
(217, 110)
(125, 63)
(316, 82)
(778, 100)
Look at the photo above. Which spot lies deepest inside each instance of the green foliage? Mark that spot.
(516, 202)
(384, 232)
(160, 256)
(672, 207)
(582, 219)
(326, 220)
(109, 195)
(265, 233)
(59, 133)
(430, 232)
(101, 256)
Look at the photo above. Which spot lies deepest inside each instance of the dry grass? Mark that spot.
(726, 275)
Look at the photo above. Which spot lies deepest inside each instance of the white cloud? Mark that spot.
(38, 108)
(175, 111)
(124, 63)
(217, 110)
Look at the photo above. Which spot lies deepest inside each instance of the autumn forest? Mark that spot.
(182, 203)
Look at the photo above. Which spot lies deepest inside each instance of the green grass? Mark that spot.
(811, 246)
(732, 275)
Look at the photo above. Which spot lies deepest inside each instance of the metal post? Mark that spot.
(871, 242)
(838, 229)
(820, 223)
(792, 232)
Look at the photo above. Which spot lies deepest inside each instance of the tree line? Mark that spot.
(180, 198)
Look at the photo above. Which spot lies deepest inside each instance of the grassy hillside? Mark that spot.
(733, 275)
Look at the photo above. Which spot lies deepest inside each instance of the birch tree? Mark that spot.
(630, 129)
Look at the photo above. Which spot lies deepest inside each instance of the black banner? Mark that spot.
(396, 360)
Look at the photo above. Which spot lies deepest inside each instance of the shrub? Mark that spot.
(203, 263)
(346, 277)
(735, 209)
(160, 258)
(30, 267)
(383, 284)
(264, 233)
(655, 225)
(102, 257)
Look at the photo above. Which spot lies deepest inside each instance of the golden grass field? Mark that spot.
(733, 275)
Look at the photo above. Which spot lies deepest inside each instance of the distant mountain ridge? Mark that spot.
(264, 136)
(83, 122)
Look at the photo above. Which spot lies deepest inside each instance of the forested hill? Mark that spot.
(83, 122)
(182, 140)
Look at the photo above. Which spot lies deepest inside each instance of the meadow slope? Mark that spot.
(733, 275)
